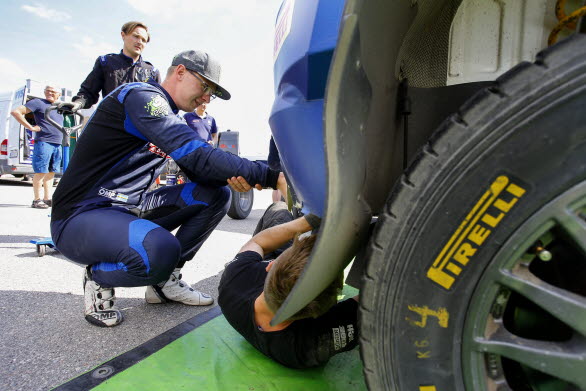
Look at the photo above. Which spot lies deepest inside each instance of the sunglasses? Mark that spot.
(207, 89)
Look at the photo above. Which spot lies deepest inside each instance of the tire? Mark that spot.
(41, 250)
(456, 295)
(241, 204)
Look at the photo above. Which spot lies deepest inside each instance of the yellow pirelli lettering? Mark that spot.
(427, 388)
(474, 230)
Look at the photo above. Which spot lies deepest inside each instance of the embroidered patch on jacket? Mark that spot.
(113, 194)
(144, 75)
(157, 106)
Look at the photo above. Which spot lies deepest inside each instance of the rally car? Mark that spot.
(444, 142)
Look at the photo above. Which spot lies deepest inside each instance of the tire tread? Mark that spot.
(454, 134)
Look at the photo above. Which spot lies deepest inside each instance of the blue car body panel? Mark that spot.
(300, 75)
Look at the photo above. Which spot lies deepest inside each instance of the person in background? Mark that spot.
(115, 69)
(47, 148)
(203, 124)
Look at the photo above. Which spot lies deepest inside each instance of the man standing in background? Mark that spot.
(47, 151)
(203, 124)
(113, 70)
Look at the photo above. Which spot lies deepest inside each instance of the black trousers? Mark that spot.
(276, 214)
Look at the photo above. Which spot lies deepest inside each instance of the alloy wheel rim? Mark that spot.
(525, 328)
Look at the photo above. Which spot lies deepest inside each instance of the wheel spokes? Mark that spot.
(575, 228)
(566, 361)
(536, 319)
(568, 307)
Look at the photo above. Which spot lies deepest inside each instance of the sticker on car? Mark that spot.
(283, 26)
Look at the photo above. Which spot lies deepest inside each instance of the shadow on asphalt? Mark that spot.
(34, 254)
(245, 226)
(46, 329)
(15, 182)
(17, 239)
(50, 252)
(24, 240)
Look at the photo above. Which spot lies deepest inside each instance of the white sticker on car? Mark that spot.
(283, 26)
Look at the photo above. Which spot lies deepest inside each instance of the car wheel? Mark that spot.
(477, 267)
(241, 204)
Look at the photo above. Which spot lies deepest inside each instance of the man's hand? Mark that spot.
(240, 185)
(35, 128)
(69, 106)
(282, 185)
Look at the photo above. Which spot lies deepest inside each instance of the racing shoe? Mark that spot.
(174, 289)
(99, 303)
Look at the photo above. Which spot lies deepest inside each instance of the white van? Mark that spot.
(16, 142)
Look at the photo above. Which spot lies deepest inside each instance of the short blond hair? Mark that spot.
(285, 272)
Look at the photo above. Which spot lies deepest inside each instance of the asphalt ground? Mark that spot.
(44, 337)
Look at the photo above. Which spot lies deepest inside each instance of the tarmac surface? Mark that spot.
(44, 337)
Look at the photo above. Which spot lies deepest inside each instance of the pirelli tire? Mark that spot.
(241, 204)
(476, 274)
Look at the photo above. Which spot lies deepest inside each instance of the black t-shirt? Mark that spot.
(306, 342)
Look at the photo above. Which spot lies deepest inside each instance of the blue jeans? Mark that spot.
(46, 157)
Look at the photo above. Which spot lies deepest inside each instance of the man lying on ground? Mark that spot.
(256, 283)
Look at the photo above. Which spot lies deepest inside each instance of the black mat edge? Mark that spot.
(124, 361)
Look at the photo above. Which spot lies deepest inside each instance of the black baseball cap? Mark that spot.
(205, 65)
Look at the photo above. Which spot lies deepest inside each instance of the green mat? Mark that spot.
(212, 356)
(215, 357)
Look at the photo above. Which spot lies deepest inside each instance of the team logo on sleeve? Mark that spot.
(157, 106)
(157, 151)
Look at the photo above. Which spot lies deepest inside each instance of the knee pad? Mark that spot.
(164, 252)
(158, 249)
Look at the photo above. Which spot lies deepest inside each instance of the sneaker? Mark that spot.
(49, 203)
(175, 289)
(99, 303)
(39, 204)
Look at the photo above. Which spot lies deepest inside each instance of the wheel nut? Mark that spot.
(543, 254)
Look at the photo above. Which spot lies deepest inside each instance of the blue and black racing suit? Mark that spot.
(109, 72)
(102, 213)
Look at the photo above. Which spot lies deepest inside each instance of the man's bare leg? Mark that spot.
(37, 184)
(48, 185)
